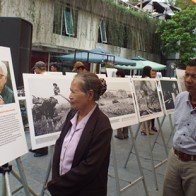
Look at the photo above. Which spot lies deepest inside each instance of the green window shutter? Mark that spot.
(69, 26)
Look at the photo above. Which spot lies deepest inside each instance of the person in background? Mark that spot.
(153, 128)
(180, 177)
(56, 89)
(54, 67)
(147, 73)
(79, 67)
(82, 152)
(6, 94)
(153, 74)
(40, 68)
(122, 133)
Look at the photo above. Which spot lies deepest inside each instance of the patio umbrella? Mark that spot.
(141, 63)
(84, 56)
(97, 55)
(117, 59)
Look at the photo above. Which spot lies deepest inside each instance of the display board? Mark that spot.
(101, 75)
(148, 100)
(12, 137)
(70, 74)
(169, 91)
(47, 107)
(118, 103)
(180, 76)
(111, 72)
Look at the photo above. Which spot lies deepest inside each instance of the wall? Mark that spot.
(40, 14)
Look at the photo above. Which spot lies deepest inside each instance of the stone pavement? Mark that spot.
(35, 168)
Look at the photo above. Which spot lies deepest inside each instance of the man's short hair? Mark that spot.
(40, 65)
(54, 64)
(3, 68)
(78, 65)
(192, 62)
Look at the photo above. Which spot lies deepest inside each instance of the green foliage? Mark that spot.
(183, 4)
(139, 16)
(128, 28)
(177, 34)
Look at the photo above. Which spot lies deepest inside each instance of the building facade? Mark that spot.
(61, 26)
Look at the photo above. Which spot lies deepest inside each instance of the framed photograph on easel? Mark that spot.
(148, 100)
(12, 138)
(47, 107)
(169, 91)
(118, 103)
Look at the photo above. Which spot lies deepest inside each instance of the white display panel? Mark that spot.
(12, 137)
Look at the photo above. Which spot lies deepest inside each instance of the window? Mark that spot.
(68, 18)
(65, 21)
(102, 30)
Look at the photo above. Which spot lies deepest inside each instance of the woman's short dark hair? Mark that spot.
(54, 64)
(120, 73)
(90, 81)
(146, 71)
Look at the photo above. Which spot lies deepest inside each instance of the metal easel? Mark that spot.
(171, 133)
(141, 178)
(49, 168)
(151, 147)
(5, 170)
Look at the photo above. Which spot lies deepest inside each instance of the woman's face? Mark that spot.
(78, 99)
(53, 68)
(153, 74)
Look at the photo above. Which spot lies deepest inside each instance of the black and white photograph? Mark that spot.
(180, 76)
(147, 98)
(12, 138)
(6, 89)
(47, 106)
(170, 90)
(118, 103)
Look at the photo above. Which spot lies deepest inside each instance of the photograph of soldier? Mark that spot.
(56, 89)
(49, 105)
(147, 97)
(6, 90)
(170, 90)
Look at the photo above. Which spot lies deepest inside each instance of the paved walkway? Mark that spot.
(35, 168)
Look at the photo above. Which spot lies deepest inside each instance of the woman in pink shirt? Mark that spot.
(81, 157)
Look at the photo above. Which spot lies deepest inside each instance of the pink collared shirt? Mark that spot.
(71, 141)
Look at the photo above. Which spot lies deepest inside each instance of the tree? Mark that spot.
(178, 35)
(183, 4)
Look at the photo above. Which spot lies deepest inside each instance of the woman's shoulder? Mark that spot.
(103, 119)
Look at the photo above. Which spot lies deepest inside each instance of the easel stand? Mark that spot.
(160, 127)
(49, 168)
(151, 155)
(115, 168)
(151, 147)
(141, 178)
(5, 170)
